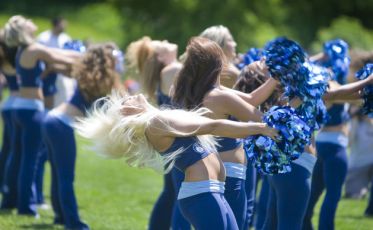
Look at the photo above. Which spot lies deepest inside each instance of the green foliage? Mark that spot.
(349, 29)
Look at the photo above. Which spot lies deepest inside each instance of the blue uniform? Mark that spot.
(330, 170)
(28, 117)
(166, 211)
(202, 203)
(235, 181)
(8, 137)
(289, 195)
(58, 136)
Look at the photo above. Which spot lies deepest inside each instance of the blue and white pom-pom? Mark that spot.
(254, 54)
(271, 157)
(367, 92)
(284, 58)
(337, 58)
(76, 45)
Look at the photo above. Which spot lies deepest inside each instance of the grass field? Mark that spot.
(114, 196)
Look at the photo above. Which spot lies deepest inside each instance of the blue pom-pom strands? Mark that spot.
(76, 45)
(284, 58)
(287, 63)
(254, 54)
(119, 64)
(270, 157)
(367, 92)
(337, 58)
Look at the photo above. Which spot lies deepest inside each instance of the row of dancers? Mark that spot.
(208, 182)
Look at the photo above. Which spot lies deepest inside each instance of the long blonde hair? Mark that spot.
(16, 33)
(117, 136)
(142, 58)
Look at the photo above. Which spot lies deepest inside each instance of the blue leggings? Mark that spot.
(166, 211)
(330, 173)
(5, 148)
(30, 121)
(288, 199)
(39, 176)
(11, 173)
(261, 208)
(369, 209)
(60, 141)
(207, 211)
(250, 188)
(235, 195)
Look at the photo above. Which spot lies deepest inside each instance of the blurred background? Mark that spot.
(252, 22)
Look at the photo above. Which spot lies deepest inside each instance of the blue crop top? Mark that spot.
(226, 143)
(49, 85)
(78, 100)
(30, 77)
(192, 153)
(12, 82)
(162, 99)
(338, 114)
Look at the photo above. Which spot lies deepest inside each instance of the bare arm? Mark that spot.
(348, 91)
(57, 56)
(175, 126)
(260, 95)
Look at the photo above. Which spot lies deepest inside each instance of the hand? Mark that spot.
(270, 132)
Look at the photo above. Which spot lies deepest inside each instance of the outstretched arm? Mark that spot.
(170, 125)
(348, 91)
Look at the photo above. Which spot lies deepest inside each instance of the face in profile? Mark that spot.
(230, 48)
(61, 26)
(30, 27)
(166, 52)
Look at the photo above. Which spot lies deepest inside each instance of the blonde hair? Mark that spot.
(142, 58)
(117, 136)
(218, 34)
(15, 32)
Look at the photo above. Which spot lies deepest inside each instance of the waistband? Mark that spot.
(337, 138)
(235, 170)
(306, 160)
(27, 103)
(8, 104)
(66, 119)
(189, 189)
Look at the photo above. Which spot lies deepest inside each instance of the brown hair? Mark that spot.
(202, 67)
(95, 72)
(141, 57)
(359, 58)
(250, 79)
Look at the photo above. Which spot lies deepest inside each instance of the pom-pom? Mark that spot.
(76, 45)
(337, 58)
(284, 58)
(367, 92)
(270, 157)
(254, 54)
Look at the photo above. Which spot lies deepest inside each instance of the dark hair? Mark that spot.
(57, 20)
(250, 79)
(359, 58)
(202, 67)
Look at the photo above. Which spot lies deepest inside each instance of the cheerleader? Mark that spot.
(147, 137)
(95, 74)
(156, 63)
(198, 85)
(221, 35)
(20, 31)
(7, 68)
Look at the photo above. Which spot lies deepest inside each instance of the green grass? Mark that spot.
(114, 196)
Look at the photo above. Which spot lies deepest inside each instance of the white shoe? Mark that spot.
(43, 206)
